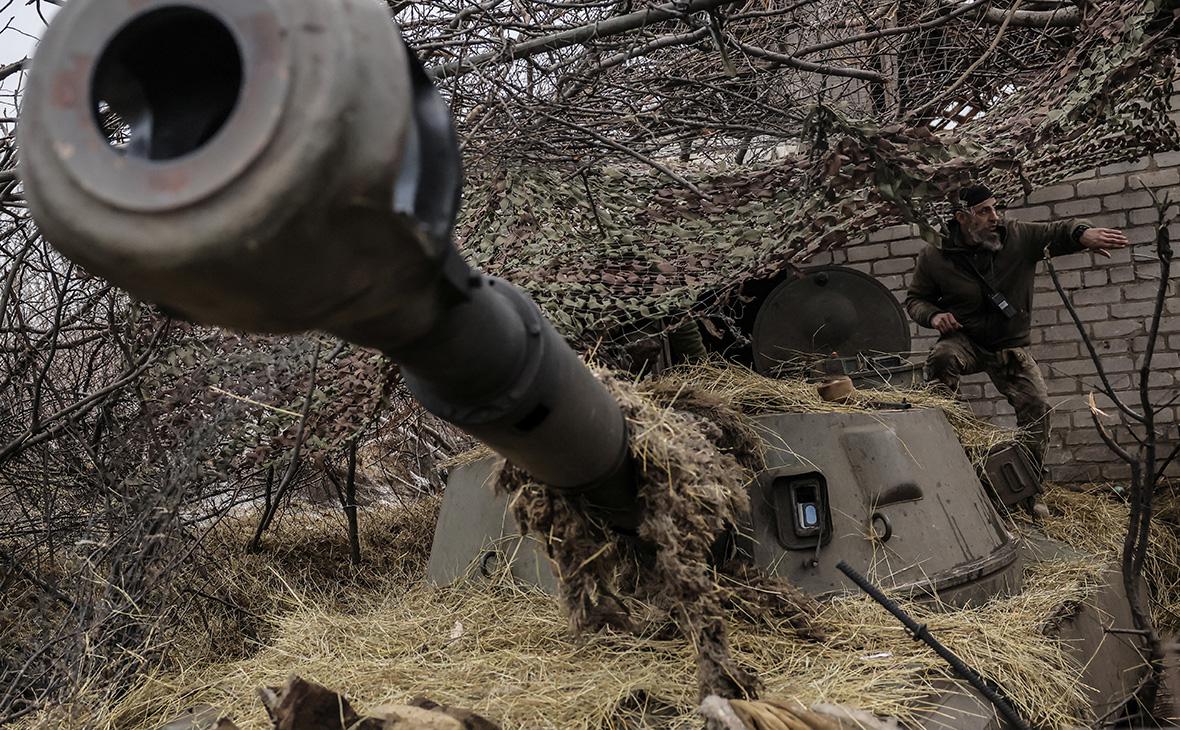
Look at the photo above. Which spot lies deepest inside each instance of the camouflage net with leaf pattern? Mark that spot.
(615, 248)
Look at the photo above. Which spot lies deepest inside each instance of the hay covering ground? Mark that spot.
(507, 653)
(383, 635)
(1093, 519)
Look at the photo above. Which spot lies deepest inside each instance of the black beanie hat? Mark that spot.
(973, 195)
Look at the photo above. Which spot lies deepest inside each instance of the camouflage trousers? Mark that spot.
(1013, 371)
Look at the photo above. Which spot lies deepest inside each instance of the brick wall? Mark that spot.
(1113, 297)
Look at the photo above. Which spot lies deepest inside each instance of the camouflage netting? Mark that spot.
(606, 249)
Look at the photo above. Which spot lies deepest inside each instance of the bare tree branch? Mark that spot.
(577, 35)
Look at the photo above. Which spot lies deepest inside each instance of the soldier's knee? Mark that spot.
(943, 365)
(1032, 410)
(1030, 401)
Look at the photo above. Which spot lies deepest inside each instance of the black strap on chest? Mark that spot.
(993, 295)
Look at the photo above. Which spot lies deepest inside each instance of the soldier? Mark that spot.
(976, 289)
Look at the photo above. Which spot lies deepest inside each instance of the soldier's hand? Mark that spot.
(945, 323)
(1103, 239)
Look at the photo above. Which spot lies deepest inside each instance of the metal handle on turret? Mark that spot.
(283, 165)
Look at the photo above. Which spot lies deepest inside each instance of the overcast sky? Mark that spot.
(21, 29)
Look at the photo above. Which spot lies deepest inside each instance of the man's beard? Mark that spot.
(988, 240)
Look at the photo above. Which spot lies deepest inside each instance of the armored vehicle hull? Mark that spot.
(891, 491)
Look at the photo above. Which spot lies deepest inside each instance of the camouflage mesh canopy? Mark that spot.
(607, 243)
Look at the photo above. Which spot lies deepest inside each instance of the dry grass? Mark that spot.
(505, 652)
(1093, 519)
(754, 394)
(236, 598)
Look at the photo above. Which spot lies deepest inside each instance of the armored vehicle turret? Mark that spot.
(280, 166)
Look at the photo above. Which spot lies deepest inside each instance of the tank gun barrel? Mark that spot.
(285, 165)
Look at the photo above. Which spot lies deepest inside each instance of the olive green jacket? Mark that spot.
(944, 282)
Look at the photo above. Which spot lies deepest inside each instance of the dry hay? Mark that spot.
(506, 653)
(235, 597)
(753, 394)
(1093, 518)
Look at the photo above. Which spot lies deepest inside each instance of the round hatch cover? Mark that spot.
(825, 310)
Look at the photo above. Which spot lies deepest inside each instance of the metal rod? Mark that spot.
(922, 633)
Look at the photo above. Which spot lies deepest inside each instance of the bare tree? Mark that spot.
(1148, 454)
